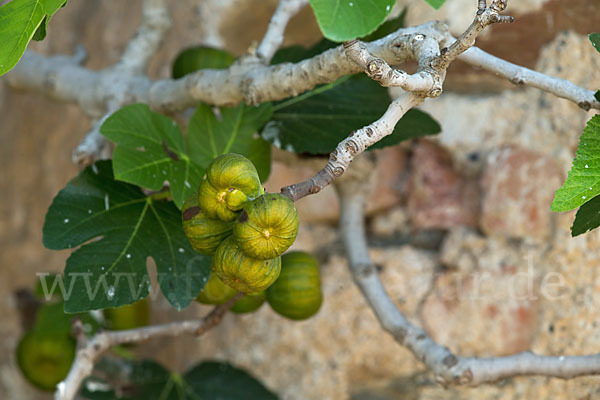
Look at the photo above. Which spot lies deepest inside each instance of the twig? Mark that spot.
(518, 75)
(94, 146)
(353, 145)
(273, 38)
(149, 36)
(89, 351)
(447, 367)
(483, 18)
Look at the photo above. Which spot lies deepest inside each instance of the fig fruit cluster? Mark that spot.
(243, 228)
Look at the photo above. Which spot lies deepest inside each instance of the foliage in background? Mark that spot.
(149, 380)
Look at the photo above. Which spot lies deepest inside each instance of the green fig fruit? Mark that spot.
(267, 226)
(243, 273)
(128, 317)
(249, 303)
(215, 291)
(297, 292)
(231, 180)
(45, 360)
(205, 234)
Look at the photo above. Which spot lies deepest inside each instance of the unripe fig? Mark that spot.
(243, 273)
(215, 291)
(45, 359)
(249, 303)
(231, 180)
(297, 292)
(205, 234)
(200, 57)
(267, 226)
(128, 317)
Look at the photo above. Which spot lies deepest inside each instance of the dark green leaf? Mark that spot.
(595, 39)
(209, 137)
(350, 19)
(298, 53)
(19, 21)
(151, 150)
(200, 57)
(151, 381)
(315, 122)
(147, 380)
(597, 95)
(587, 217)
(583, 181)
(122, 228)
(40, 33)
(436, 3)
(217, 380)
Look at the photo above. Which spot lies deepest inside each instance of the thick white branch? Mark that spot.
(273, 38)
(447, 367)
(252, 82)
(89, 351)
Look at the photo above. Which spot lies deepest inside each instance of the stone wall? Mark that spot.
(460, 225)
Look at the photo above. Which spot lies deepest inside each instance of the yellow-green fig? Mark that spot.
(243, 273)
(204, 233)
(45, 359)
(128, 317)
(231, 180)
(249, 303)
(297, 292)
(267, 226)
(215, 291)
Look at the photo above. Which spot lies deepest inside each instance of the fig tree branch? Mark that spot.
(251, 82)
(483, 18)
(425, 82)
(90, 350)
(448, 368)
(518, 75)
(273, 38)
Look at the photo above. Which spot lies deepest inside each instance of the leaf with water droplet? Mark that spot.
(583, 181)
(116, 242)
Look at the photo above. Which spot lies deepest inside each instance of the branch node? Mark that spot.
(450, 361)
